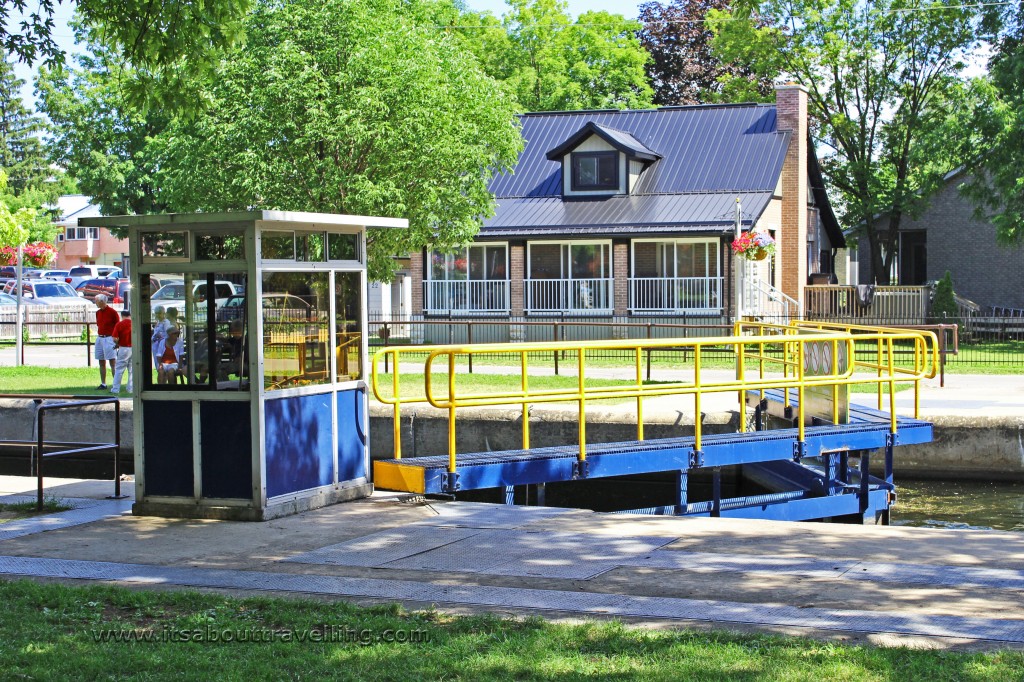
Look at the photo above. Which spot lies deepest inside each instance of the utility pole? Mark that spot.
(18, 349)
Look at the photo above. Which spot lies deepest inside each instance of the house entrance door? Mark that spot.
(913, 268)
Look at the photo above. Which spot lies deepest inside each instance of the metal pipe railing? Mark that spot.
(40, 444)
(774, 348)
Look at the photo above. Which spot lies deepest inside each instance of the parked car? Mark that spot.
(173, 295)
(7, 299)
(46, 292)
(276, 307)
(80, 273)
(116, 290)
(55, 274)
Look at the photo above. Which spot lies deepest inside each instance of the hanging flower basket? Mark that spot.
(37, 255)
(754, 245)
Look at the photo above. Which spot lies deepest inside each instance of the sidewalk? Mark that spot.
(886, 585)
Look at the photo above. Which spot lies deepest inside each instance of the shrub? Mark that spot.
(944, 309)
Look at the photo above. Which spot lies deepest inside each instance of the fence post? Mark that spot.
(648, 352)
(469, 340)
(88, 344)
(554, 337)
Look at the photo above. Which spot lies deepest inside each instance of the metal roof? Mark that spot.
(619, 139)
(624, 214)
(709, 156)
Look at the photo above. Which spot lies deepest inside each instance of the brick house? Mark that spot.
(947, 236)
(629, 215)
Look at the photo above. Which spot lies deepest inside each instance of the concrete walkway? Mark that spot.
(889, 585)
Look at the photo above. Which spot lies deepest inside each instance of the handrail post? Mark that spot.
(582, 427)
(117, 449)
(39, 458)
(451, 413)
(639, 396)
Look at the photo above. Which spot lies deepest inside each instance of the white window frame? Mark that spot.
(429, 269)
(675, 241)
(571, 243)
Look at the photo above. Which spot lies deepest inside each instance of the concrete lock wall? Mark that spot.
(964, 447)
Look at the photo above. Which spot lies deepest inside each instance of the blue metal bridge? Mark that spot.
(800, 442)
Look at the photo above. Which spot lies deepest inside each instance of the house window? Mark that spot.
(569, 277)
(473, 279)
(477, 262)
(82, 233)
(595, 171)
(675, 274)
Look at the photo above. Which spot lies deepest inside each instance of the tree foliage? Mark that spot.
(22, 155)
(99, 134)
(683, 68)
(347, 106)
(996, 153)
(15, 225)
(150, 33)
(882, 78)
(552, 63)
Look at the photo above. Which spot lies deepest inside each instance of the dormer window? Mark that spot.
(595, 171)
(600, 161)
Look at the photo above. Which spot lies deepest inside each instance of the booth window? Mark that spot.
(164, 246)
(195, 332)
(296, 316)
(343, 247)
(225, 246)
(278, 245)
(348, 303)
(310, 247)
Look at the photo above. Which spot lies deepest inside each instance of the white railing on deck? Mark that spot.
(470, 296)
(571, 296)
(675, 294)
(898, 304)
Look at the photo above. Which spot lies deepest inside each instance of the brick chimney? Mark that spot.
(791, 109)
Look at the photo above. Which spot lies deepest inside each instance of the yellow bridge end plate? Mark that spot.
(399, 477)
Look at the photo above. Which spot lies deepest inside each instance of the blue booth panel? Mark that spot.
(298, 439)
(351, 437)
(225, 429)
(167, 438)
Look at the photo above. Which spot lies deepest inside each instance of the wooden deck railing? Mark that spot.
(898, 304)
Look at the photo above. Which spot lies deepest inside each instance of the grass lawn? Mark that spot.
(70, 380)
(53, 631)
(83, 381)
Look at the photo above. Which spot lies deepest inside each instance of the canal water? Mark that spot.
(959, 504)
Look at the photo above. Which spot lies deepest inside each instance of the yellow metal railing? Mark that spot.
(766, 357)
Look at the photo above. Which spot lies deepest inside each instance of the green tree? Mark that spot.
(15, 225)
(100, 135)
(996, 152)
(552, 63)
(881, 78)
(22, 154)
(150, 33)
(348, 106)
(683, 68)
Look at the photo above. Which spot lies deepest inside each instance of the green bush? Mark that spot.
(944, 309)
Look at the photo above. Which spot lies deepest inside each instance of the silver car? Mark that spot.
(48, 292)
